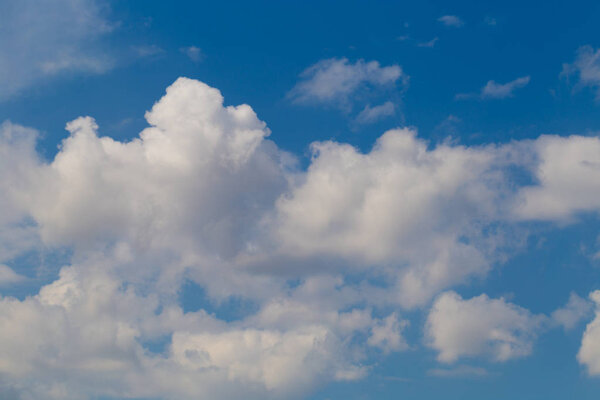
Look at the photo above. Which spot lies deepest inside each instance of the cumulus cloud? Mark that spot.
(451, 21)
(45, 39)
(480, 326)
(328, 257)
(565, 170)
(576, 310)
(400, 204)
(494, 90)
(589, 352)
(586, 68)
(336, 80)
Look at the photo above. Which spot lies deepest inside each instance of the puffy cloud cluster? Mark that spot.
(328, 257)
(567, 170)
(480, 326)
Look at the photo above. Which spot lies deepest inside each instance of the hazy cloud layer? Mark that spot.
(40, 39)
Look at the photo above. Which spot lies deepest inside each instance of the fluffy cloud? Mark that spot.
(327, 257)
(573, 312)
(566, 169)
(88, 328)
(589, 352)
(400, 204)
(480, 326)
(43, 39)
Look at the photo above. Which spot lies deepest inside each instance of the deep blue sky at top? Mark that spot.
(253, 52)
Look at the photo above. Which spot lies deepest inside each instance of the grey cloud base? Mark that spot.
(203, 195)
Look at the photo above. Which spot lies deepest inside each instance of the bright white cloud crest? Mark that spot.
(203, 194)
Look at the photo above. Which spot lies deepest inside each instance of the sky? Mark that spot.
(299, 200)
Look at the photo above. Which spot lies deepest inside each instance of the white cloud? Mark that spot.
(400, 204)
(194, 53)
(202, 194)
(587, 68)
(387, 335)
(565, 170)
(44, 39)
(334, 81)
(589, 352)
(451, 21)
(493, 90)
(576, 310)
(478, 326)
(372, 114)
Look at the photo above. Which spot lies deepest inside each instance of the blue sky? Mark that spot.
(345, 200)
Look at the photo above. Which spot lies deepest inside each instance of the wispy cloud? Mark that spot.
(451, 21)
(586, 68)
(372, 114)
(494, 90)
(44, 39)
(430, 43)
(334, 81)
(490, 21)
(194, 53)
(147, 50)
(458, 371)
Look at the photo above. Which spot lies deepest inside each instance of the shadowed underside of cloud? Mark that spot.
(330, 257)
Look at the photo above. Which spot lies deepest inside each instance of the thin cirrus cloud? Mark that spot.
(48, 39)
(494, 90)
(372, 114)
(203, 195)
(451, 21)
(429, 44)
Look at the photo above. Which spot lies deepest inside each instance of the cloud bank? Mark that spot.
(328, 259)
